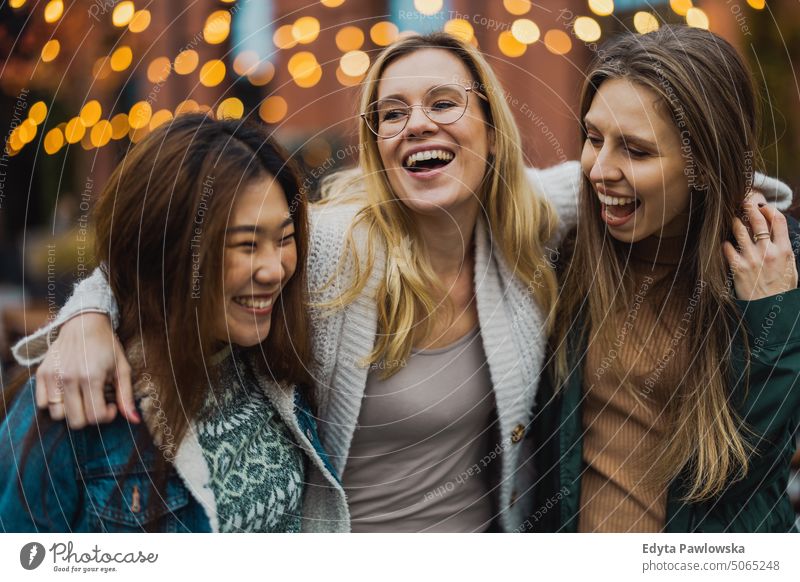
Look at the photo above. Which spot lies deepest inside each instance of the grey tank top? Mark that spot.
(415, 460)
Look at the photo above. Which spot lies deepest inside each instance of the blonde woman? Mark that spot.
(431, 284)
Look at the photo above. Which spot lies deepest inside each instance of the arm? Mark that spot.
(765, 281)
(93, 294)
(82, 360)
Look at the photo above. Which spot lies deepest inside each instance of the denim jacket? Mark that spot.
(98, 479)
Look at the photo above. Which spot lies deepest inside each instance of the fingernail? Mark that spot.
(761, 205)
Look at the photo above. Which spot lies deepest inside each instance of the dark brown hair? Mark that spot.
(160, 228)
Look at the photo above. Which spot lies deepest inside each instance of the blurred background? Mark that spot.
(81, 80)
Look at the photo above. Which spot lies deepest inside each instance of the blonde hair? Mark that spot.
(520, 220)
(706, 90)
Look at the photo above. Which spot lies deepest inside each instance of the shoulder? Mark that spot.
(562, 180)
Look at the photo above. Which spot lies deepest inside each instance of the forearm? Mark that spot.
(93, 294)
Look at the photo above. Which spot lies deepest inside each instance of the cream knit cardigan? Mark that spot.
(511, 328)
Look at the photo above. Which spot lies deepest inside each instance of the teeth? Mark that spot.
(429, 155)
(614, 200)
(253, 303)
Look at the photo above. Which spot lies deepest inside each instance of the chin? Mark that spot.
(249, 338)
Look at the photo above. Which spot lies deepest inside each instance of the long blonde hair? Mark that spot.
(520, 220)
(707, 90)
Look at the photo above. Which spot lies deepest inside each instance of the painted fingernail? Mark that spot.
(761, 205)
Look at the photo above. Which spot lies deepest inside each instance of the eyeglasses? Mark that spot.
(443, 104)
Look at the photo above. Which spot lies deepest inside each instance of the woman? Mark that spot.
(213, 321)
(431, 280)
(675, 396)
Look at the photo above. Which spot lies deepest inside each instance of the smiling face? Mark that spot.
(260, 258)
(432, 167)
(633, 158)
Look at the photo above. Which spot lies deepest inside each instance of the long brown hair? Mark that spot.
(708, 92)
(160, 225)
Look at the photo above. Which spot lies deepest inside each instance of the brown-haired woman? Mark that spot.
(674, 401)
(202, 231)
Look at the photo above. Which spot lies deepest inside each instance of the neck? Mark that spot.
(448, 238)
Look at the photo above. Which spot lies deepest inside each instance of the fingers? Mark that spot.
(95, 409)
(742, 236)
(730, 255)
(778, 225)
(41, 389)
(758, 224)
(124, 390)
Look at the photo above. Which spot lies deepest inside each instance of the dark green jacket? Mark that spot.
(770, 406)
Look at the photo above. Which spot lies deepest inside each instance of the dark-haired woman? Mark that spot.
(202, 233)
(676, 394)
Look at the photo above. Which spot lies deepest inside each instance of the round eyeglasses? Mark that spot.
(443, 104)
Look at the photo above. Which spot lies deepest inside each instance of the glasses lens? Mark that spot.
(446, 103)
(387, 117)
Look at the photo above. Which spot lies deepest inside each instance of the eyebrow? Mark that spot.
(626, 137)
(254, 228)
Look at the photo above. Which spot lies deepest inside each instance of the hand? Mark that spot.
(764, 267)
(71, 380)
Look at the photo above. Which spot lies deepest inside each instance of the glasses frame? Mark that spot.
(409, 108)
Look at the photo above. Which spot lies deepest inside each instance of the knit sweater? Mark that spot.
(256, 469)
(511, 330)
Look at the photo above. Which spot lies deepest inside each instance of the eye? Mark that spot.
(594, 140)
(393, 114)
(247, 246)
(636, 153)
(287, 240)
(443, 105)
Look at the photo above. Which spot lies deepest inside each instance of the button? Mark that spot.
(517, 433)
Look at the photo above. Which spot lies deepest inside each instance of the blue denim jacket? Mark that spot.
(85, 480)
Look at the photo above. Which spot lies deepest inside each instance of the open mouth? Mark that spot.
(428, 160)
(254, 302)
(618, 207)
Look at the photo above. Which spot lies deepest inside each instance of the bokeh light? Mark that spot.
(680, 7)
(697, 18)
(53, 141)
(557, 42)
(525, 31)
(212, 73)
(121, 58)
(509, 45)
(283, 37)
(517, 7)
(90, 113)
(139, 115)
(119, 126)
(230, 108)
(50, 50)
(384, 33)
(101, 133)
(273, 109)
(160, 117)
(38, 112)
(262, 75)
(354, 63)
(74, 131)
(140, 21)
(53, 11)
(186, 62)
(587, 29)
(645, 22)
(305, 30)
(602, 7)
(158, 70)
(217, 27)
(122, 14)
(349, 38)
(428, 7)
(460, 28)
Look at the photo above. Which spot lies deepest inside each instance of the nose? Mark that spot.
(419, 123)
(268, 267)
(605, 167)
